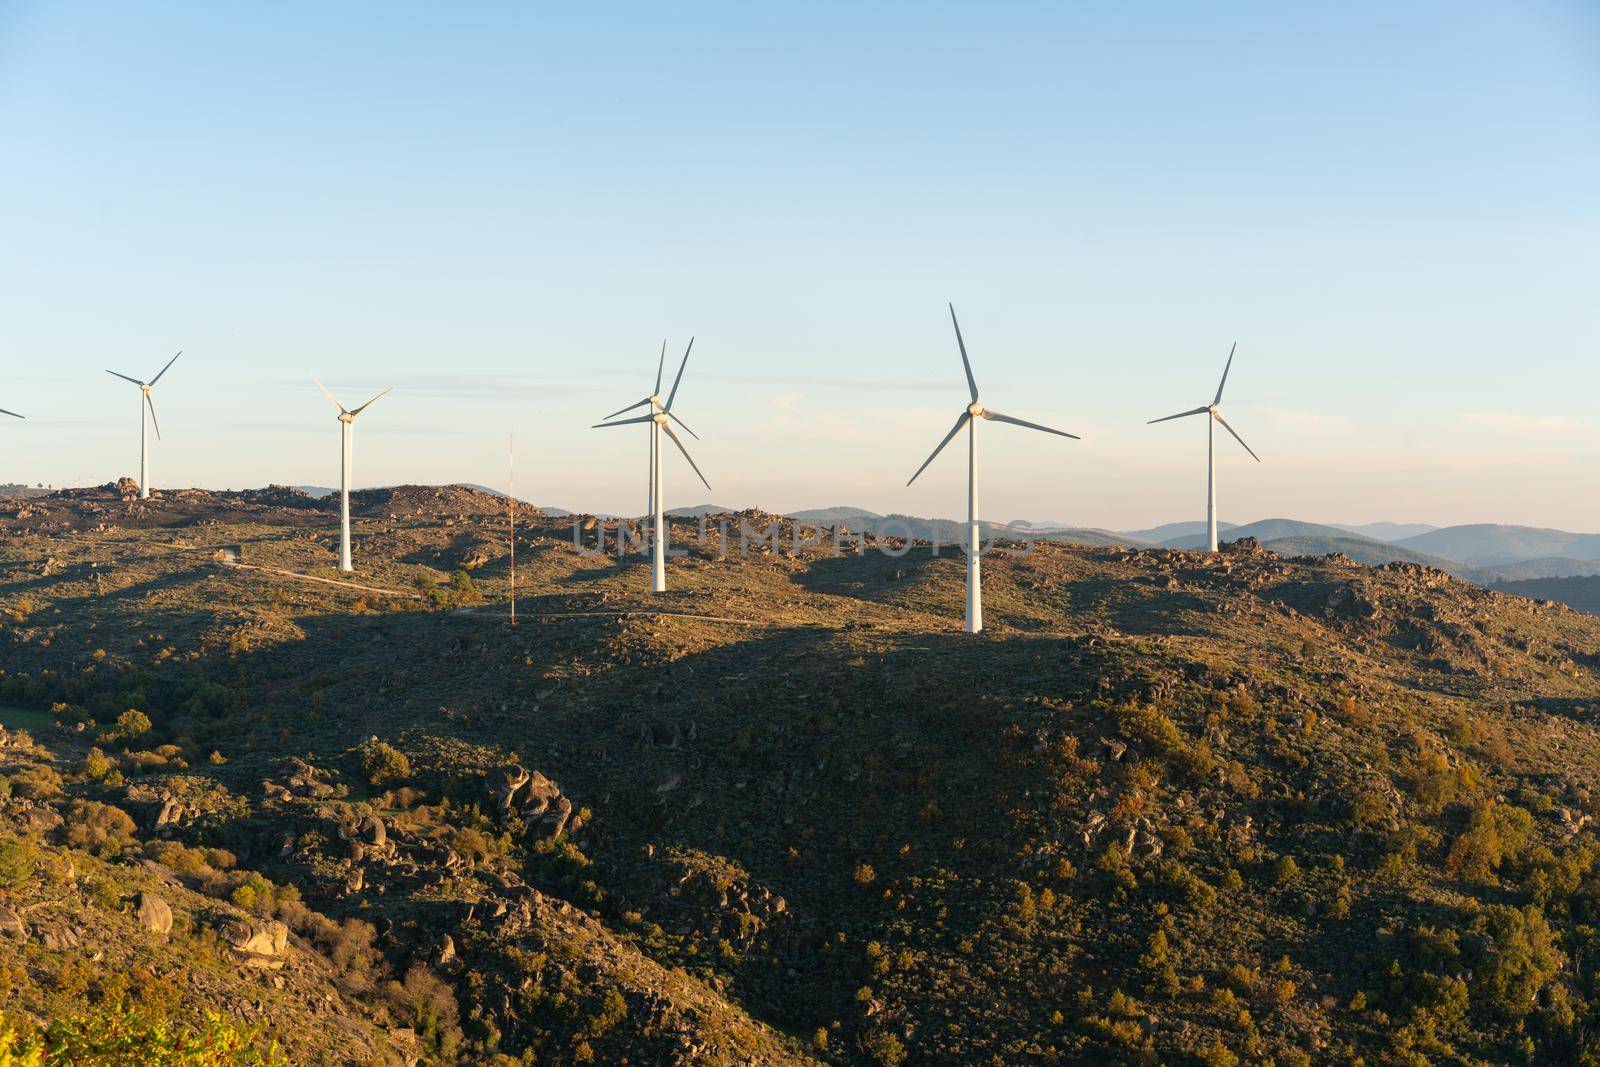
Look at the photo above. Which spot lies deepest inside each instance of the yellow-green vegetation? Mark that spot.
(117, 1037)
(1169, 808)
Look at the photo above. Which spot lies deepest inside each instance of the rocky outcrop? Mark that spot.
(153, 914)
(535, 798)
(258, 945)
(299, 779)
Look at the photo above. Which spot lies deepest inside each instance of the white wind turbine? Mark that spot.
(1214, 410)
(346, 431)
(144, 441)
(969, 419)
(660, 419)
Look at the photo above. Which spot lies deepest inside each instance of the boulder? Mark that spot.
(505, 783)
(372, 831)
(153, 914)
(258, 945)
(169, 817)
(59, 939)
(11, 925)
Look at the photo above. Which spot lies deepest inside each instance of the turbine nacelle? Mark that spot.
(347, 416)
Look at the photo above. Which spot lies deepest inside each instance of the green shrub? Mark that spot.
(885, 1049)
(36, 783)
(1494, 832)
(96, 765)
(383, 764)
(117, 1036)
(99, 828)
(1519, 958)
(131, 725)
(18, 860)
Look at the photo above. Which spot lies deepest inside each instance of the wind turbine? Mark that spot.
(1214, 410)
(144, 441)
(346, 430)
(969, 419)
(660, 419)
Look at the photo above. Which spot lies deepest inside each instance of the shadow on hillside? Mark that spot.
(1586, 711)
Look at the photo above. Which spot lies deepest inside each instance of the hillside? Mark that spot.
(1488, 544)
(1580, 593)
(1361, 549)
(832, 516)
(1171, 807)
(1167, 532)
(1540, 567)
(1264, 530)
(1386, 531)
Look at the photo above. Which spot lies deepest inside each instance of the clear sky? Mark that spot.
(501, 210)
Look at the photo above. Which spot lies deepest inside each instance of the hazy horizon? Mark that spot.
(1393, 212)
(1038, 519)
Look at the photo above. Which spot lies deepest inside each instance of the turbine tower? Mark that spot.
(969, 418)
(1214, 409)
(660, 419)
(144, 442)
(347, 421)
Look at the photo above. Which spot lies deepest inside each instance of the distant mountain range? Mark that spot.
(1387, 531)
(1526, 560)
(1489, 544)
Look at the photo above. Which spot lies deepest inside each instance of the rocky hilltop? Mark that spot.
(1171, 807)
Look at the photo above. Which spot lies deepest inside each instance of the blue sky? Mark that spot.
(1395, 211)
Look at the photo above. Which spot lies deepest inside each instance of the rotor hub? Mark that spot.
(975, 409)
(659, 419)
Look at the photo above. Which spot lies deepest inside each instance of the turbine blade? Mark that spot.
(14, 415)
(152, 405)
(164, 370)
(1225, 370)
(962, 421)
(997, 417)
(683, 424)
(1179, 415)
(371, 402)
(660, 367)
(966, 364)
(1236, 437)
(623, 422)
(679, 378)
(125, 378)
(675, 440)
(329, 395)
(630, 407)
